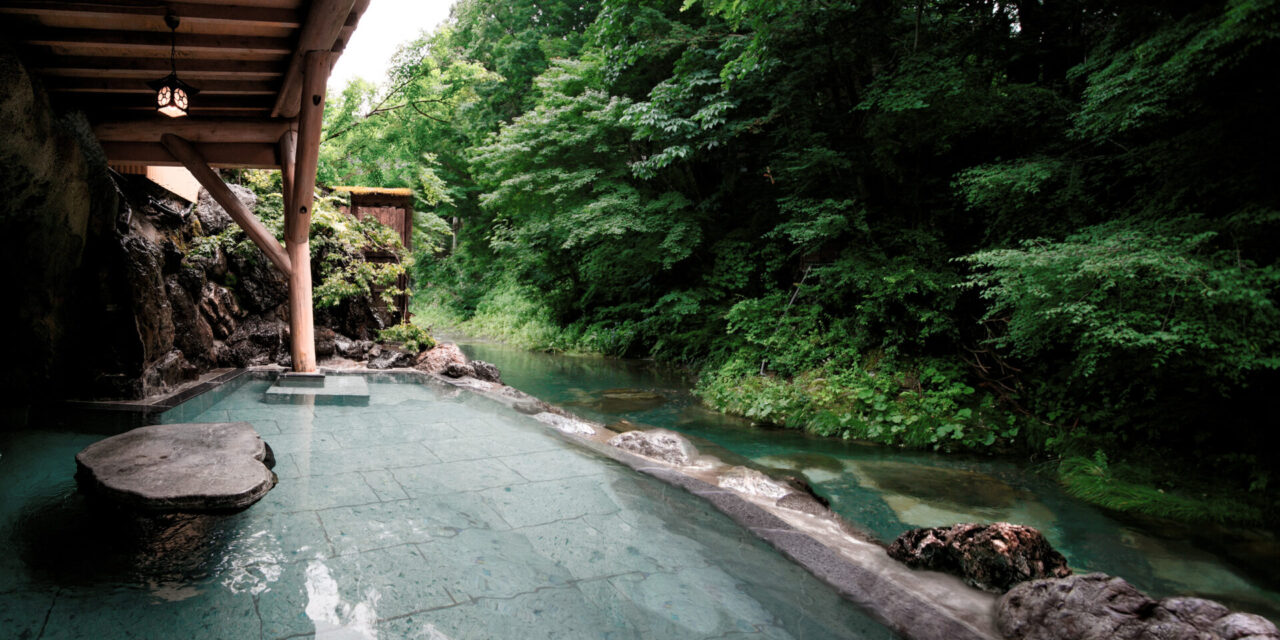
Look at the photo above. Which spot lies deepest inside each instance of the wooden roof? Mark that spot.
(245, 57)
(378, 191)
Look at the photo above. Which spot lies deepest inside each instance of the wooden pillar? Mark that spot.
(194, 161)
(298, 235)
(287, 149)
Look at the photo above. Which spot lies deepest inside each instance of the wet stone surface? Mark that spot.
(419, 516)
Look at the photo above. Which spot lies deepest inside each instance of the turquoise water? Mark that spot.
(428, 514)
(886, 491)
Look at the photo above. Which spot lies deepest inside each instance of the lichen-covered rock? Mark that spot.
(1096, 606)
(435, 359)
(753, 482)
(391, 359)
(459, 370)
(659, 444)
(180, 467)
(991, 557)
(487, 372)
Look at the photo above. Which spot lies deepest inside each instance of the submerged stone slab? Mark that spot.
(350, 391)
(295, 379)
(209, 466)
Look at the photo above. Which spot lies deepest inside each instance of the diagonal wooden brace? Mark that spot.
(190, 157)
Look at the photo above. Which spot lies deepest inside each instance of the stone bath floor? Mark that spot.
(428, 514)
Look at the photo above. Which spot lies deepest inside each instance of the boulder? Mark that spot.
(326, 342)
(180, 467)
(256, 342)
(219, 309)
(991, 557)
(213, 218)
(487, 372)
(459, 370)
(753, 483)
(391, 359)
(659, 444)
(1097, 606)
(435, 359)
(167, 371)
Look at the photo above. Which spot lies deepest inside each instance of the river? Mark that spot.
(886, 491)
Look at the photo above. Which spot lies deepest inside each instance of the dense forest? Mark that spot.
(1043, 229)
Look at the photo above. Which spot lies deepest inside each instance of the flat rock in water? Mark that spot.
(180, 467)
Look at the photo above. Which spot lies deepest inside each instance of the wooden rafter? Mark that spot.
(322, 29)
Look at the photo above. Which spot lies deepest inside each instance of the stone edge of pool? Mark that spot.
(921, 605)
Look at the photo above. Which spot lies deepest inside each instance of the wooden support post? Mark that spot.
(191, 158)
(298, 237)
(288, 150)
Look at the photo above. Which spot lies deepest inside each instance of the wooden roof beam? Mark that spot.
(99, 102)
(260, 131)
(191, 14)
(145, 44)
(225, 155)
(321, 32)
(48, 64)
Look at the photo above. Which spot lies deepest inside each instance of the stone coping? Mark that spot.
(921, 605)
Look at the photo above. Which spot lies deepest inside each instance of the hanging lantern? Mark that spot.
(173, 96)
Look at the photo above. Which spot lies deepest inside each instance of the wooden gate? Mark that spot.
(393, 208)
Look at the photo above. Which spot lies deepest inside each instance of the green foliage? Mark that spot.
(1048, 227)
(924, 406)
(1137, 314)
(1093, 479)
(338, 245)
(414, 338)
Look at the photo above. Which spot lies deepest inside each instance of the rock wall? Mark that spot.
(54, 196)
(118, 291)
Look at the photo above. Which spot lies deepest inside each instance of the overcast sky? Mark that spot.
(386, 24)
